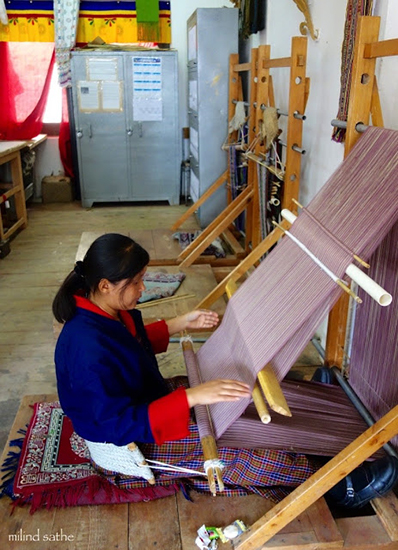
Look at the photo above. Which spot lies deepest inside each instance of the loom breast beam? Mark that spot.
(267, 382)
(212, 464)
(379, 294)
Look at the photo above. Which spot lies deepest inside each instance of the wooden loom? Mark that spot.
(261, 96)
(363, 94)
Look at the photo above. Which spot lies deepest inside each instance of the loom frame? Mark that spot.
(364, 102)
(261, 94)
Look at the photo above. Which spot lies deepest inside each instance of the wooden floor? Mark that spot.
(40, 258)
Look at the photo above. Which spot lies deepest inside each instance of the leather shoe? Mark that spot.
(324, 375)
(371, 480)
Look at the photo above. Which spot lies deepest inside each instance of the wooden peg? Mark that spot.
(272, 391)
(260, 404)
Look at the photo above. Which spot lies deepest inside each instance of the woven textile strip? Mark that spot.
(374, 356)
(273, 315)
(355, 8)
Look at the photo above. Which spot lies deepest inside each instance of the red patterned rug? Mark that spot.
(53, 468)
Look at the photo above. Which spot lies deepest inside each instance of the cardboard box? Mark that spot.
(56, 189)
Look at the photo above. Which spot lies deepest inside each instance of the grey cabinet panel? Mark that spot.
(212, 37)
(127, 144)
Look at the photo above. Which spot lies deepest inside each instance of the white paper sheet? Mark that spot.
(88, 95)
(147, 89)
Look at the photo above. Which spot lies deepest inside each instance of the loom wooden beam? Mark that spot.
(252, 207)
(298, 95)
(362, 97)
(235, 93)
(319, 483)
(230, 288)
(383, 48)
(215, 228)
(278, 62)
(248, 262)
(262, 97)
(216, 185)
(362, 79)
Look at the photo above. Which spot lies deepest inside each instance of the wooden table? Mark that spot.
(10, 153)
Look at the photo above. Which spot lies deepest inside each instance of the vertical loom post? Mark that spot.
(252, 131)
(262, 98)
(235, 94)
(298, 94)
(362, 96)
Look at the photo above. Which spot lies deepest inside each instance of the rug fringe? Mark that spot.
(91, 492)
(10, 465)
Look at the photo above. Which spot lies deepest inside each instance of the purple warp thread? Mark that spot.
(273, 315)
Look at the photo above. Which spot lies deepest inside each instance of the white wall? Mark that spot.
(387, 68)
(323, 68)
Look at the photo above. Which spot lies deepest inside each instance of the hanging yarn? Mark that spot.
(269, 129)
(239, 118)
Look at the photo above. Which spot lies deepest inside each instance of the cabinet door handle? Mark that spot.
(129, 132)
(79, 134)
(140, 129)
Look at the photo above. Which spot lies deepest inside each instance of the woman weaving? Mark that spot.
(110, 386)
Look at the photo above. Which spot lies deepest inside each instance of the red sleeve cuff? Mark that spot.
(158, 334)
(169, 417)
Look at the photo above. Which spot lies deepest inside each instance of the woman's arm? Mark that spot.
(200, 318)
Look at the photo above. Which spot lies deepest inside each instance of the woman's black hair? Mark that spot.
(112, 256)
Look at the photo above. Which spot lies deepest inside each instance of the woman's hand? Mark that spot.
(199, 318)
(215, 391)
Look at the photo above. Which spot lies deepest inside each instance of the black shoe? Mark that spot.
(371, 480)
(324, 375)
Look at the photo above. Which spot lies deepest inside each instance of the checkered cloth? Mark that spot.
(271, 474)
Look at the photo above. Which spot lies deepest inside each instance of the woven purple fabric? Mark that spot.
(273, 315)
(374, 357)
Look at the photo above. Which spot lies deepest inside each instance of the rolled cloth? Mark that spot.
(273, 315)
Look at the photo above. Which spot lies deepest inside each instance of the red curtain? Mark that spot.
(64, 141)
(25, 75)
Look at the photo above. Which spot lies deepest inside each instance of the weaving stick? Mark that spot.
(208, 442)
(325, 269)
(272, 391)
(379, 294)
(163, 300)
(259, 402)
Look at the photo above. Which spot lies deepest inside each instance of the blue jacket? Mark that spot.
(106, 378)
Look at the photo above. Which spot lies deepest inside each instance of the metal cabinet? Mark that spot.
(125, 110)
(212, 37)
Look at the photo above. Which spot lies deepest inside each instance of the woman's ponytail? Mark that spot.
(64, 305)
